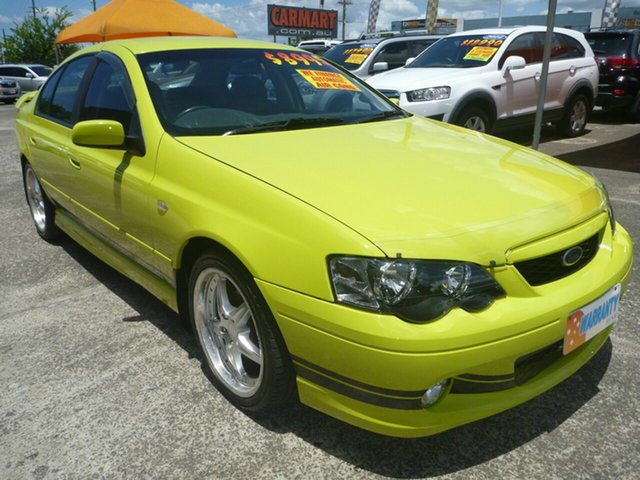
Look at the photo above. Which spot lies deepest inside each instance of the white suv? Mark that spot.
(489, 79)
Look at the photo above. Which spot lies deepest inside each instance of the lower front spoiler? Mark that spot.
(453, 410)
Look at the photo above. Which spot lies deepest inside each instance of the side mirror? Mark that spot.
(380, 67)
(409, 60)
(99, 134)
(513, 63)
(29, 75)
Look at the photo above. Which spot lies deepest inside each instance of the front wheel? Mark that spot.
(474, 119)
(575, 117)
(42, 210)
(237, 335)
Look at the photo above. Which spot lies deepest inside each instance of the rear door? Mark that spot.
(566, 66)
(49, 131)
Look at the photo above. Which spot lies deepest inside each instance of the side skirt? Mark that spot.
(116, 259)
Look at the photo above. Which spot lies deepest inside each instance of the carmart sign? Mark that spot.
(302, 22)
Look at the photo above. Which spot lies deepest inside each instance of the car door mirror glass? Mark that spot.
(514, 62)
(380, 67)
(98, 133)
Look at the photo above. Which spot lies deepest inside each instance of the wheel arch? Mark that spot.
(482, 100)
(187, 256)
(585, 88)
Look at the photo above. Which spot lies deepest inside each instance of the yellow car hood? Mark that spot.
(417, 187)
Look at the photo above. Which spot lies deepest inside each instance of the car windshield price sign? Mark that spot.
(302, 22)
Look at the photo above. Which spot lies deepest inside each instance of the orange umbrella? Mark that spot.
(141, 18)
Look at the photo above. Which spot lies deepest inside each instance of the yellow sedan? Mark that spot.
(400, 274)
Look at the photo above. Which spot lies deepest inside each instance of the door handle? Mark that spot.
(74, 163)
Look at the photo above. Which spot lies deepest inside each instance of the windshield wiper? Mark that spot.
(291, 124)
(382, 116)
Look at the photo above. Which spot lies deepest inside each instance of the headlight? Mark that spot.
(414, 290)
(428, 94)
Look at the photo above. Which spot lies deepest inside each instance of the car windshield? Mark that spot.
(351, 55)
(466, 51)
(609, 45)
(237, 91)
(41, 70)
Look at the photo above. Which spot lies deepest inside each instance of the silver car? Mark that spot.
(9, 90)
(29, 76)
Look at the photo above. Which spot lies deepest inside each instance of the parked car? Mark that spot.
(403, 275)
(9, 90)
(369, 56)
(618, 55)
(319, 46)
(30, 77)
(486, 80)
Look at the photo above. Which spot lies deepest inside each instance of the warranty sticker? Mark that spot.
(356, 58)
(328, 80)
(482, 54)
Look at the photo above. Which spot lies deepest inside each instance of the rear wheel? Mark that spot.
(475, 119)
(575, 116)
(42, 210)
(237, 335)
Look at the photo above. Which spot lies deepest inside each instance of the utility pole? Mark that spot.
(344, 4)
(33, 7)
(94, 5)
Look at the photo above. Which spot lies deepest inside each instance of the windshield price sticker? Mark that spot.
(356, 58)
(482, 54)
(482, 42)
(588, 321)
(366, 51)
(328, 80)
(293, 58)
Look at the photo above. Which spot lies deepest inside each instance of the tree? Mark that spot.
(33, 40)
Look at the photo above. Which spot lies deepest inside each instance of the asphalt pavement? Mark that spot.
(98, 379)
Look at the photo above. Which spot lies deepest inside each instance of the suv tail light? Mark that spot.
(622, 62)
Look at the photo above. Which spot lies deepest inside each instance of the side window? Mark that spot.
(394, 53)
(416, 47)
(563, 47)
(525, 46)
(66, 91)
(109, 96)
(21, 72)
(43, 108)
(5, 71)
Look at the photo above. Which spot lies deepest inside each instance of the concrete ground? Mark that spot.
(99, 380)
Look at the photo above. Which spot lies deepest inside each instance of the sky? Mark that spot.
(248, 18)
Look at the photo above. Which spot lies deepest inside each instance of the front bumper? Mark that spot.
(370, 370)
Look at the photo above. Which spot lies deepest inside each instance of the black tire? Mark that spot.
(43, 213)
(634, 113)
(575, 116)
(240, 345)
(475, 119)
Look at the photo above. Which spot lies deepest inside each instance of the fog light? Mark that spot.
(433, 394)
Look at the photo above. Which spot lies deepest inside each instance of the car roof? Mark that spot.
(156, 44)
(510, 30)
(376, 40)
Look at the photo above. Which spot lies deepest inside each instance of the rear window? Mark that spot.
(609, 45)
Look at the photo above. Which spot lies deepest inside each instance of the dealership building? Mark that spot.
(628, 18)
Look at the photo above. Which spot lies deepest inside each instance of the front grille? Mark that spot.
(7, 84)
(390, 93)
(549, 268)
